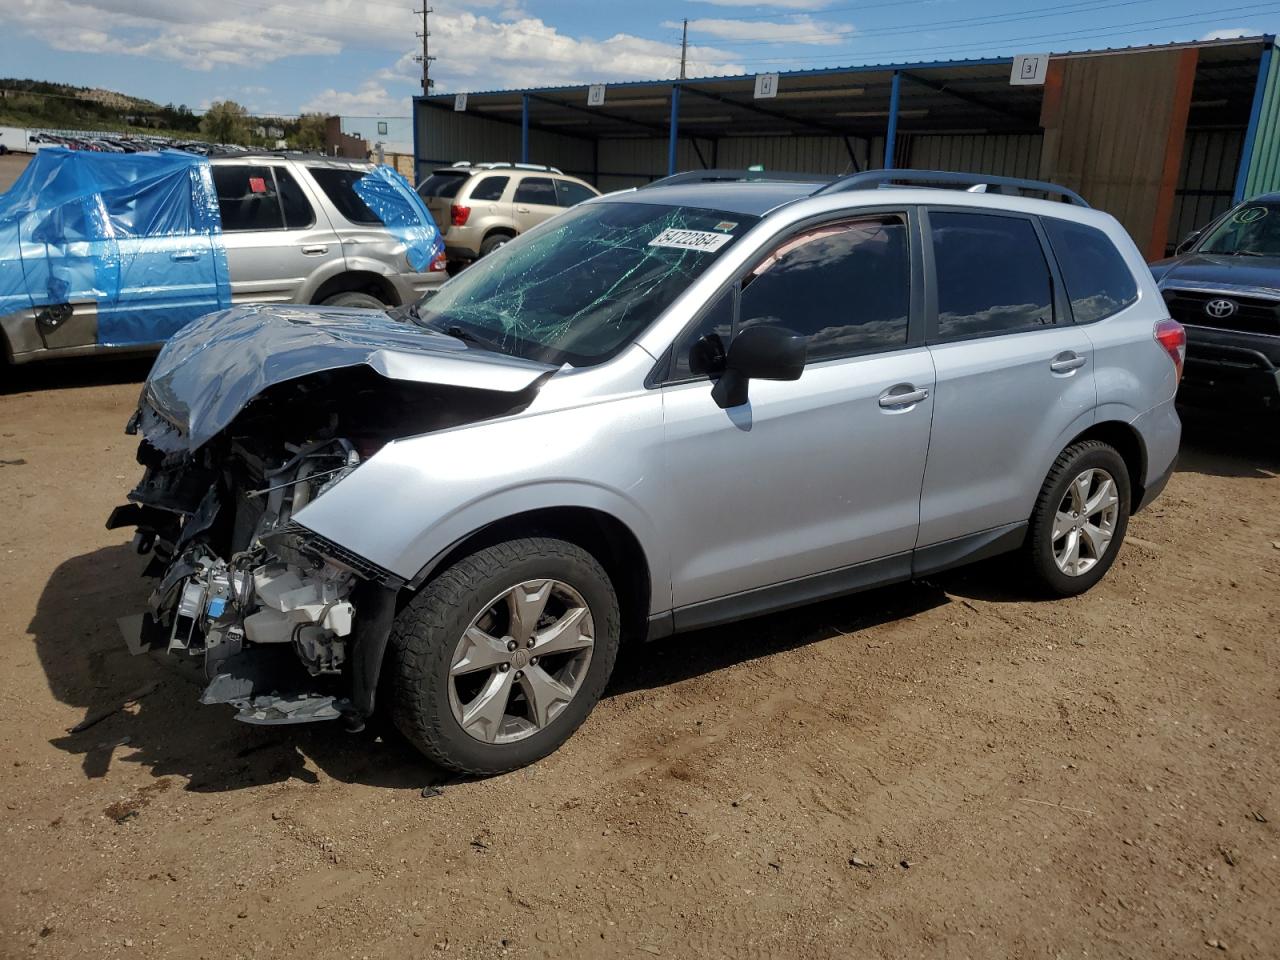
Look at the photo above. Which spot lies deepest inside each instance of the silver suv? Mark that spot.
(669, 408)
(294, 230)
(479, 207)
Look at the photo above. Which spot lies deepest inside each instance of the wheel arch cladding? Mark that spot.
(601, 534)
(1128, 443)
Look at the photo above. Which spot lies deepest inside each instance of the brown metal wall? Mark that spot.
(1005, 155)
(445, 136)
(1113, 130)
(1209, 163)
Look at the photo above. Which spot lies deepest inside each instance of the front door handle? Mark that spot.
(1066, 362)
(315, 250)
(906, 396)
(184, 256)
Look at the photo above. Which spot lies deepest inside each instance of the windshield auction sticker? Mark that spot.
(690, 240)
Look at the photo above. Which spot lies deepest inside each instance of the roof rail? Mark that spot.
(503, 165)
(719, 175)
(979, 182)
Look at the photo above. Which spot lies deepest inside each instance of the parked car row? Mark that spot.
(128, 143)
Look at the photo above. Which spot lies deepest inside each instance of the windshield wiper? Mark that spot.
(1247, 253)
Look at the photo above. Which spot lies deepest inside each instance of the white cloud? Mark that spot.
(1231, 33)
(802, 29)
(501, 46)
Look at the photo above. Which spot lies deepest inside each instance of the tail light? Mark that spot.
(439, 264)
(459, 214)
(1170, 335)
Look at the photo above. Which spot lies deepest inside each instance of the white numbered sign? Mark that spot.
(595, 95)
(766, 85)
(460, 102)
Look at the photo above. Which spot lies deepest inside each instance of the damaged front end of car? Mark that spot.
(290, 627)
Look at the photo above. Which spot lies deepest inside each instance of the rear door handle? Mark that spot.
(1066, 362)
(314, 250)
(904, 398)
(184, 256)
(522, 209)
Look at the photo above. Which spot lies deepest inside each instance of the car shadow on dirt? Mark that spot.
(73, 372)
(1225, 445)
(167, 730)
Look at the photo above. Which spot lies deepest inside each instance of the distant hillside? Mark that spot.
(39, 103)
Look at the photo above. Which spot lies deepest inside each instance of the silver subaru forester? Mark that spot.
(665, 409)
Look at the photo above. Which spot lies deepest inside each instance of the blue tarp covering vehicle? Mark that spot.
(139, 238)
(138, 234)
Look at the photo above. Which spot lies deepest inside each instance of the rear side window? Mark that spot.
(336, 183)
(570, 193)
(490, 188)
(1098, 280)
(536, 190)
(247, 198)
(991, 274)
(297, 208)
(442, 184)
(846, 286)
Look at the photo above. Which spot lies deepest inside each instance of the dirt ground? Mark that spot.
(938, 770)
(11, 166)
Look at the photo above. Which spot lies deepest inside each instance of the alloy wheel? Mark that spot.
(1085, 521)
(521, 661)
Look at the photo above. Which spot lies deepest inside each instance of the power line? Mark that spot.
(1113, 29)
(989, 20)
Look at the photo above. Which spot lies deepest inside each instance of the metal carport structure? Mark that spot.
(1163, 136)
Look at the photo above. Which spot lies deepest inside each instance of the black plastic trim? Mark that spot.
(1154, 488)
(793, 593)
(968, 549)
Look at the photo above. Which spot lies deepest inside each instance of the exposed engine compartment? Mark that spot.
(273, 610)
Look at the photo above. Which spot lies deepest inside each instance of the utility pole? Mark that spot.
(425, 57)
(684, 47)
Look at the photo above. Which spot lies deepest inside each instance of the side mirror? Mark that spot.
(761, 353)
(1187, 241)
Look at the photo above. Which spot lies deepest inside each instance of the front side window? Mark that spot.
(991, 273)
(536, 190)
(1097, 279)
(490, 188)
(1251, 230)
(846, 286)
(579, 288)
(247, 198)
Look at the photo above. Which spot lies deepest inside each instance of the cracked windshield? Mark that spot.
(583, 287)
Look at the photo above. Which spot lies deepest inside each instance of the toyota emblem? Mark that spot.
(1221, 308)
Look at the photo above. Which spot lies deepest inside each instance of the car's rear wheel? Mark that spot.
(354, 298)
(498, 660)
(493, 242)
(1079, 519)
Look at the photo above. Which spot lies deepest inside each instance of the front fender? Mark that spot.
(407, 505)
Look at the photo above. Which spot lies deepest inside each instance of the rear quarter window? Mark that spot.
(1099, 282)
(336, 182)
(490, 188)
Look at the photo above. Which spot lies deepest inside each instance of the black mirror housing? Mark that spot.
(761, 353)
(1187, 241)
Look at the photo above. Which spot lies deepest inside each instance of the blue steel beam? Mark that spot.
(1251, 133)
(891, 134)
(674, 136)
(524, 128)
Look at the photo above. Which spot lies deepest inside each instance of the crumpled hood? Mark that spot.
(1208, 269)
(212, 368)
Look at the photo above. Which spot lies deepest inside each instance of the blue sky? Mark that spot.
(354, 56)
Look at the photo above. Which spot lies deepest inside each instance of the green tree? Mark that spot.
(225, 122)
(310, 135)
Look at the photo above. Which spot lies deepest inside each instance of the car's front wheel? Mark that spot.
(498, 660)
(1079, 519)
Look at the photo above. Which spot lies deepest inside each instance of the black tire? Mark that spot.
(426, 633)
(353, 298)
(1039, 550)
(493, 242)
